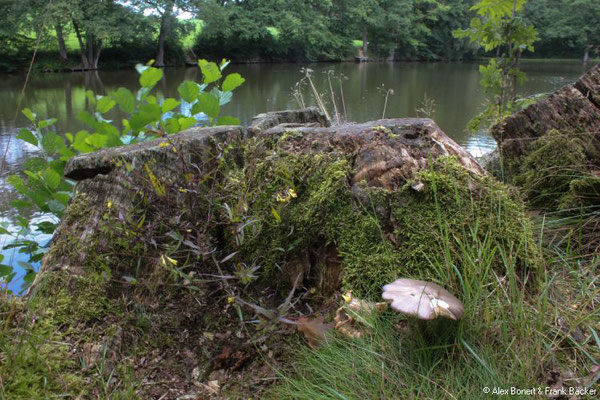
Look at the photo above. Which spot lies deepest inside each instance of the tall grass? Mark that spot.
(518, 330)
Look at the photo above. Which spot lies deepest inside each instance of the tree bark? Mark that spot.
(364, 39)
(97, 48)
(62, 49)
(586, 54)
(82, 49)
(160, 52)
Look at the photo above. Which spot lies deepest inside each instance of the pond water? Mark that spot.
(453, 89)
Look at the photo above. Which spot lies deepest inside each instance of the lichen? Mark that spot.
(290, 134)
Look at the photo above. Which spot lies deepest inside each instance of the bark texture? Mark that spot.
(571, 109)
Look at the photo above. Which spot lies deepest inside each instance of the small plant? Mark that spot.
(386, 93)
(298, 94)
(427, 108)
(499, 27)
(44, 188)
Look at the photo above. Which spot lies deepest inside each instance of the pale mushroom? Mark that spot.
(424, 300)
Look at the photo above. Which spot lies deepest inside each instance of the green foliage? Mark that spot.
(128, 32)
(567, 27)
(43, 186)
(325, 30)
(499, 27)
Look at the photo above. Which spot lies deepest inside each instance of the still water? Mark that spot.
(453, 89)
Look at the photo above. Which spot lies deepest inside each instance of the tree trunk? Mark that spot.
(82, 49)
(160, 52)
(586, 54)
(62, 49)
(392, 55)
(364, 39)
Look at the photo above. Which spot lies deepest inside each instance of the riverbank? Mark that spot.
(124, 59)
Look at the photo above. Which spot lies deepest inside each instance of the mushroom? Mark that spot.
(424, 300)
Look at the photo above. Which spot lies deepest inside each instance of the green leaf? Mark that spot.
(27, 136)
(185, 123)
(5, 270)
(228, 121)
(189, 91)
(147, 113)
(125, 100)
(51, 178)
(35, 164)
(20, 204)
(210, 70)
(17, 182)
(232, 81)
(52, 143)
(276, 215)
(46, 227)
(56, 207)
(224, 64)
(172, 126)
(32, 175)
(46, 123)
(150, 77)
(209, 105)
(86, 118)
(63, 197)
(29, 114)
(169, 104)
(105, 104)
(97, 140)
(80, 144)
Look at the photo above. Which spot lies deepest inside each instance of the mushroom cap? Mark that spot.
(424, 300)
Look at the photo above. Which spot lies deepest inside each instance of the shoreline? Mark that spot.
(120, 67)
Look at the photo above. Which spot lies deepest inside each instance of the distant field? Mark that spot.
(50, 44)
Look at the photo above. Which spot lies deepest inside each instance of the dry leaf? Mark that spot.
(314, 330)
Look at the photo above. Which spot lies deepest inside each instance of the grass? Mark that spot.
(72, 44)
(518, 330)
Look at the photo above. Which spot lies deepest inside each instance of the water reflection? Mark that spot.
(454, 88)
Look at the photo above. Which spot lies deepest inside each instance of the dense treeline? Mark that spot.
(83, 34)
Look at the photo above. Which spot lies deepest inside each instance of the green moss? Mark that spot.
(374, 248)
(385, 130)
(453, 209)
(583, 192)
(555, 173)
(290, 134)
(35, 360)
(69, 299)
